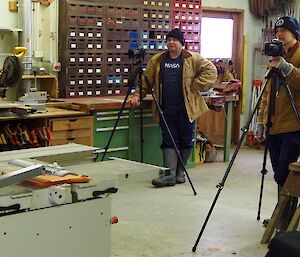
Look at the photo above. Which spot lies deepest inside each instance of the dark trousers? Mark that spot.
(283, 148)
(181, 128)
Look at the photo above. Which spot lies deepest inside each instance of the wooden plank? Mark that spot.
(291, 186)
(294, 166)
(295, 220)
(277, 213)
(51, 112)
(104, 102)
(45, 151)
(7, 105)
(38, 77)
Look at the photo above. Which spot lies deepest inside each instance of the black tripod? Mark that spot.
(137, 60)
(275, 75)
(277, 80)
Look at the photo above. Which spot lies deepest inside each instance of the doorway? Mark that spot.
(212, 123)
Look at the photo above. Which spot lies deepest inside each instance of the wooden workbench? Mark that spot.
(62, 123)
(63, 112)
(217, 126)
(115, 102)
(51, 112)
(100, 103)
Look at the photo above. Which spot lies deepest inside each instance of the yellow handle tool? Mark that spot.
(19, 51)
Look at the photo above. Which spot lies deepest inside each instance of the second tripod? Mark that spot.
(275, 75)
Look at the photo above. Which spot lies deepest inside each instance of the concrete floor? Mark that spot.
(165, 222)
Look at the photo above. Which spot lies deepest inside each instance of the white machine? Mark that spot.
(67, 220)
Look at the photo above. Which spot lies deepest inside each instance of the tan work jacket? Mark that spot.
(283, 120)
(198, 75)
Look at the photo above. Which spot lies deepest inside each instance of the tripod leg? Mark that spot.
(274, 75)
(222, 183)
(141, 118)
(292, 102)
(129, 84)
(185, 153)
(263, 173)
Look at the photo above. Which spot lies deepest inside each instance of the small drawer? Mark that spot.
(73, 20)
(120, 138)
(71, 123)
(80, 140)
(91, 9)
(70, 134)
(100, 10)
(108, 119)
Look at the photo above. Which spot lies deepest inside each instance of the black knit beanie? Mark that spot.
(177, 34)
(289, 23)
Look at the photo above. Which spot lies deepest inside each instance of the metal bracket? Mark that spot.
(18, 176)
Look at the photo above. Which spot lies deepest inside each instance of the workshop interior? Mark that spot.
(77, 160)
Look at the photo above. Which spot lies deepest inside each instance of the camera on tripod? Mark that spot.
(136, 53)
(274, 48)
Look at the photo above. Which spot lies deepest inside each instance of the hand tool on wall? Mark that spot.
(48, 132)
(3, 140)
(34, 138)
(40, 135)
(22, 134)
(11, 135)
(19, 51)
(7, 137)
(3, 143)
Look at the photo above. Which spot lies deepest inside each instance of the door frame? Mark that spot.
(237, 15)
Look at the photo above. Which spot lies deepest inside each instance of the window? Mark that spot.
(216, 37)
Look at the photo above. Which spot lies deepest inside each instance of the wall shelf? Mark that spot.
(47, 83)
(38, 77)
(9, 30)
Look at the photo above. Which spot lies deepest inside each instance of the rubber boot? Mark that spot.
(170, 161)
(185, 154)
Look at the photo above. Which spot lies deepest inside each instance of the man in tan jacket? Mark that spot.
(177, 76)
(284, 132)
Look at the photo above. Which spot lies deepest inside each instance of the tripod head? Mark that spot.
(137, 55)
(274, 73)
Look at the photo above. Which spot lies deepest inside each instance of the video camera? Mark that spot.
(136, 53)
(274, 48)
